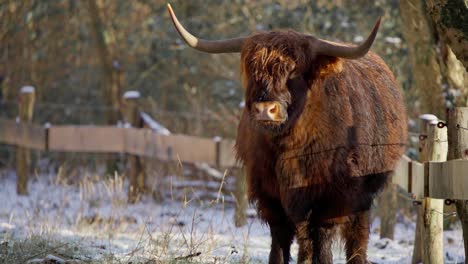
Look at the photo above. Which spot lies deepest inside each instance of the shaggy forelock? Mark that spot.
(269, 58)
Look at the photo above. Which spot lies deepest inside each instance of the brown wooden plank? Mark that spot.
(188, 148)
(227, 154)
(22, 134)
(172, 147)
(8, 131)
(417, 184)
(448, 180)
(135, 141)
(144, 142)
(400, 176)
(87, 139)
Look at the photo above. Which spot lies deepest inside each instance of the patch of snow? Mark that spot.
(131, 95)
(435, 122)
(209, 170)
(393, 40)
(154, 125)
(358, 38)
(428, 117)
(27, 89)
(7, 226)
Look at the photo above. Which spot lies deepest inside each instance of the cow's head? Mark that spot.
(277, 68)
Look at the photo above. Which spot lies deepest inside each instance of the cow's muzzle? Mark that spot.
(269, 112)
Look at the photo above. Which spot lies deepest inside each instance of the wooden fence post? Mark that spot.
(433, 221)
(429, 217)
(240, 218)
(457, 124)
(387, 211)
(131, 114)
(26, 99)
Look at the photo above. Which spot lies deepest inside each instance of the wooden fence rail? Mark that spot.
(108, 139)
(23, 134)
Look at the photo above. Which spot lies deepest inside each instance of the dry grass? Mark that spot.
(38, 247)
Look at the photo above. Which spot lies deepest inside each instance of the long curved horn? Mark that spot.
(210, 46)
(348, 52)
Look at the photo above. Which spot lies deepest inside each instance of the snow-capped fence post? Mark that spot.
(433, 221)
(26, 100)
(457, 124)
(136, 174)
(430, 209)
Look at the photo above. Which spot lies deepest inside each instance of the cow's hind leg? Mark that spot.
(356, 236)
(304, 255)
(282, 230)
(322, 238)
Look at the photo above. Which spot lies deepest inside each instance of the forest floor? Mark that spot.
(90, 221)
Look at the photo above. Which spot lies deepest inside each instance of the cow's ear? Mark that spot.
(327, 65)
(322, 67)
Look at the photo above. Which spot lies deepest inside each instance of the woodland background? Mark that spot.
(82, 55)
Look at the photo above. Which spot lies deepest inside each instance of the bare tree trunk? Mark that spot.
(451, 19)
(422, 53)
(110, 68)
(455, 76)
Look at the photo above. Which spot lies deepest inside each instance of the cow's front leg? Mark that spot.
(281, 228)
(281, 238)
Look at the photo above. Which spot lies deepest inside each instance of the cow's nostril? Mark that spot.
(273, 109)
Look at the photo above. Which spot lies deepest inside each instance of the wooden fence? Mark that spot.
(108, 139)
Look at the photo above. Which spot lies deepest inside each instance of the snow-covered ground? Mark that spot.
(95, 216)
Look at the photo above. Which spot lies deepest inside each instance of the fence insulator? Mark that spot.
(441, 125)
(449, 201)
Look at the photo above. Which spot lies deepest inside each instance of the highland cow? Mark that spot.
(323, 127)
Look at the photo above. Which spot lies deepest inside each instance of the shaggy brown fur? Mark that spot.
(318, 172)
